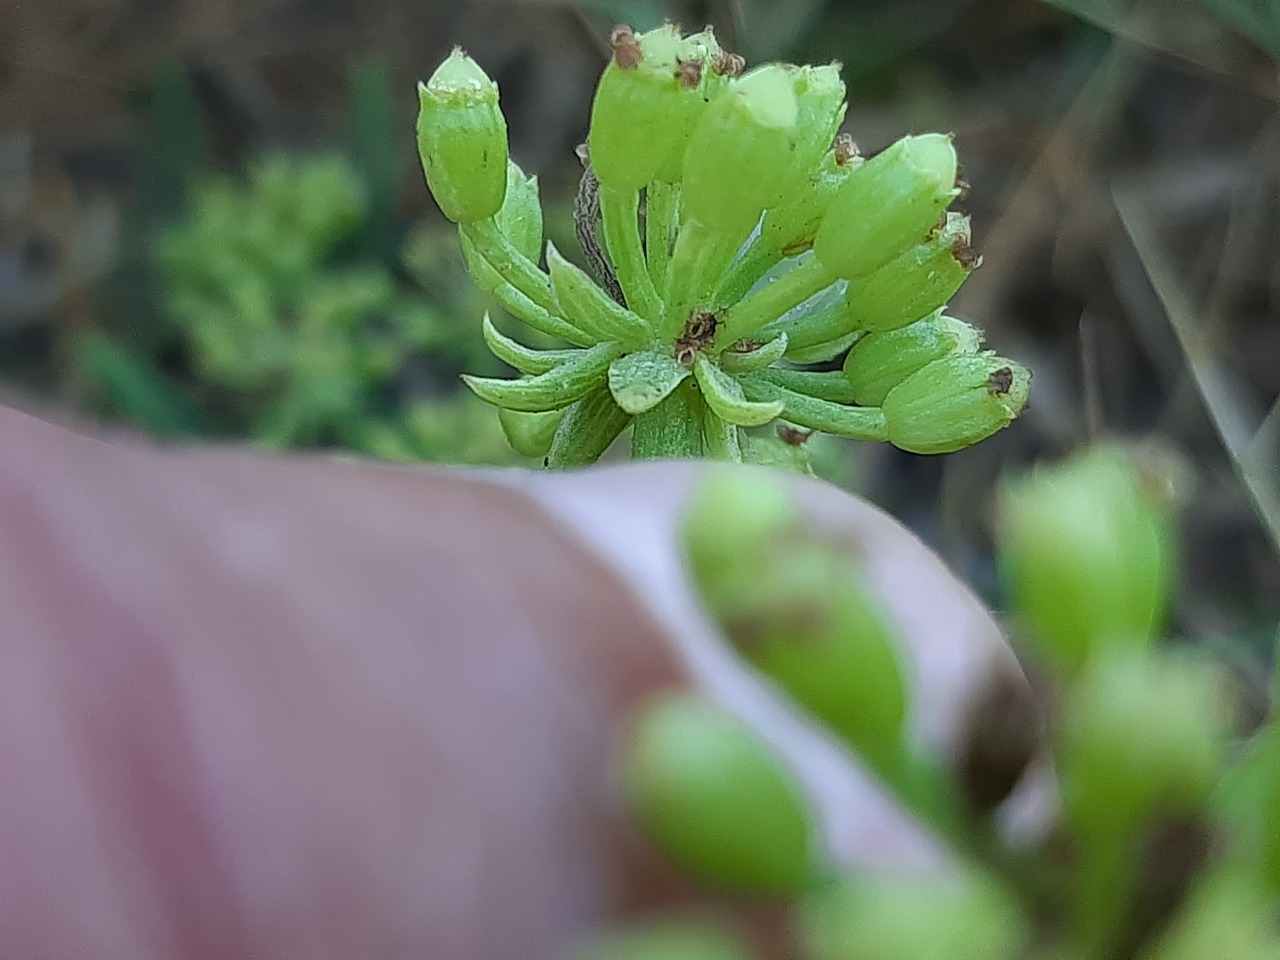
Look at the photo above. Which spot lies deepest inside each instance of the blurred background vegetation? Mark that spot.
(213, 225)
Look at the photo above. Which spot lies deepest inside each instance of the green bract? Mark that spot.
(462, 140)
(729, 232)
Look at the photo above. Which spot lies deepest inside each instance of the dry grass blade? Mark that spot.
(1251, 441)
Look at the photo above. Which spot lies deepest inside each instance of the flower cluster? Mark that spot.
(733, 235)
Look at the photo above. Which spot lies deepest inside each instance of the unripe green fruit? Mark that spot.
(1141, 734)
(733, 513)
(917, 282)
(741, 151)
(1085, 554)
(888, 205)
(716, 799)
(644, 110)
(789, 229)
(954, 402)
(462, 140)
(880, 361)
(885, 917)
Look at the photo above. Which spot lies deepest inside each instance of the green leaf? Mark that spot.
(725, 397)
(822, 352)
(830, 385)
(858, 423)
(641, 380)
(525, 359)
(587, 430)
(747, 361)
(552, 390)
(591, 309)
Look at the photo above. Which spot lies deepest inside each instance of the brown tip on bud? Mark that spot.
(965, 255)
(846, 150)
(793, 436)
(728, 64)
(689, 72)
(1000, 382)
(745, 345)
(626, 49)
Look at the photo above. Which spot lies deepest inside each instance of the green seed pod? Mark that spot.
(521, 215)
(646, 105)
(954, 402)
(789, 229)
(963, 916)
(530, 434)
(717, 801)
(880, 361)
(888, 205)
(462, 140)
(1085, 554)
(916, 283)
(1142, 734)
(740, 151)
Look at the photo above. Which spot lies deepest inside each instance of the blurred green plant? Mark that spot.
(1163, 844)
(294, 337)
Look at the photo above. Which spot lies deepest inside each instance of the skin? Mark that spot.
(254, 706)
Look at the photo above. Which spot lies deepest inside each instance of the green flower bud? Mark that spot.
(462, 140)
(716, 799)
(916, 283)
(1141, 734)
(740, 151)
(1085, 555)
(880, 361)
(795, 607)
(789, 229)
(954, 402)
(884, 917)
(889, 204)
(648, 100)
(733, 513)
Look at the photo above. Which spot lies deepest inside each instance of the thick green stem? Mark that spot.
(513, 266)
(697, 266)
(788, 291)
(662, 212)
(672, 429)
(751, 266)
(622, 240)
